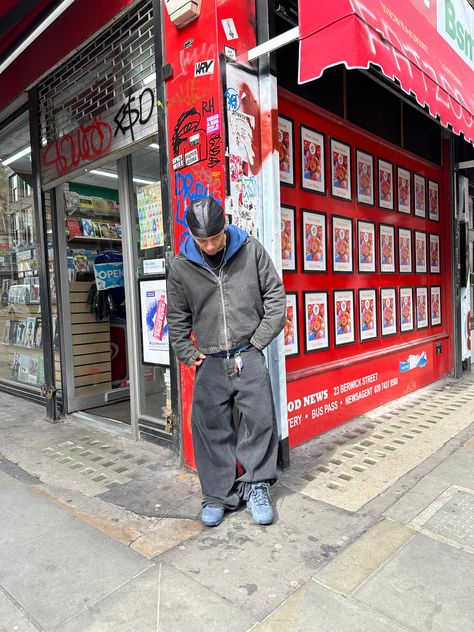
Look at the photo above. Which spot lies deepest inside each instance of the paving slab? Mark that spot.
(314, 607)
(455, 520)
(161, 600)
(65, 567)
(256, 567)
(12, 619)
(427, 586)
(354, 565)
(458, 468)
(417, 499)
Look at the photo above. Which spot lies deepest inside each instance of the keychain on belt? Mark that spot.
(238, 364)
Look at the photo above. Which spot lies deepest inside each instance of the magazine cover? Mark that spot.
(314, 240)
(421, 307)
(420, 251)
(285, 150)
(340, 170)
(367, 314)
(342, 244)
(30, 332)
(365, 178)
(344, 316)
(420, 195)
(366, 246)
(316, 323)
(290, 330)
(406, 309)
(388, 313)
(386, 185)
(288, 254)
(387, 248)
(313, 172)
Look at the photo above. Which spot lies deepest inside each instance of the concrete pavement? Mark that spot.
(100, 534)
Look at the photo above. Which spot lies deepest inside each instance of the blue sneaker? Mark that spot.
(259, 503)
(212, 515)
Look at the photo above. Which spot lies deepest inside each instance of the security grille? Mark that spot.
(103, 73)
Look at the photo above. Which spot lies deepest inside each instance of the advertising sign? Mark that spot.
(153, 303)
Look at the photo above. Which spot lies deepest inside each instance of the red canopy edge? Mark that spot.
(435, 75)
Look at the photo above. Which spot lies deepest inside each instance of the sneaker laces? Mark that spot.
(259, 494)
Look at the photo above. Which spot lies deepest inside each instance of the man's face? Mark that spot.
(211, 245)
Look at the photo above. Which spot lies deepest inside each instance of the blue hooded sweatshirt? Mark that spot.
(236, 238)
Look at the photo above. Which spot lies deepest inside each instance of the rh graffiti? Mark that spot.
(87, 142)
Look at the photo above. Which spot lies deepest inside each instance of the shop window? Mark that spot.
(421, 134)
(21, 339)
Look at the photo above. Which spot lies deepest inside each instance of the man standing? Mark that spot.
(224, 287)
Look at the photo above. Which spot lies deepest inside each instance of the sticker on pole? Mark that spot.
(202, 68)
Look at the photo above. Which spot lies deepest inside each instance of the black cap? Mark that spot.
(205, 218)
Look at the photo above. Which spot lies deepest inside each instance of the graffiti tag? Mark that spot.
(232, 99)
(127, 116)
(214, 150)
(188, 140)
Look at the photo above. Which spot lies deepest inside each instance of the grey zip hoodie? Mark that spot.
(244, 302)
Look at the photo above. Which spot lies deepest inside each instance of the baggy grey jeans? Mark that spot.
(217, 443)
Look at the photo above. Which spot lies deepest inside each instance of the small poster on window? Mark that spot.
(155, 339)
(434, 255)
(365, 178)
(386, 185)
(421, 307)
(420, 195)
(313, 168)
(285, 150)
(367, 314)
(387, 248)
(388, 311)
(404, 250)
(433, 200)
(342, 244)
(340, 170)
(316, 321)
(406, 309)
(420, 251)
(314, 242)
(404, 191)
(290, 330)
(366, 246)
(344, 317)
(288, 254)
(435, 304)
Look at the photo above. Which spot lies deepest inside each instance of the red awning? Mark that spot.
(427, 45)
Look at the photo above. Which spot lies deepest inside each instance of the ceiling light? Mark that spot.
(20, 154)
(109, 174)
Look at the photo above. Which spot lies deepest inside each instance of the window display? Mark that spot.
(313, 167)
(434, 254)
(404, 190)
(433, 200)
(288, 252)
(387, 248)
(385, 185)
(367, 314)
(404, 251)
(388, 311)
(406, 308)
(366, 246)
(421, 307)
(316, 321)
(342, 248)
(314, 240)
(290, 330)
(420, 195)
(365, 178)
(286, 151)
(420, 251)
(344, 317)
(341, 184)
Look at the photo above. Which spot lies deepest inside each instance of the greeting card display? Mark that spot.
(386, 185)
(434, 254)
(342, 260)
(290, 330)
(314, 242)
(421, 307)
(366, 246)
(406, 309)
(433, 200)
(316, 321)
(367, 314)
(420, 251)
(340, 170)
(286, 151)
(387, 248)
(435, 305)
(288, 252)
(313, 168)
(388, 311)
(365, 178)
(419, 184)
(404, 190)
(404, 250)
(344, 317)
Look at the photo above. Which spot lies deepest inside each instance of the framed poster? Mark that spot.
(316, 321)
(420, 251)
(433, 200)
(286, 151)
(313, 167)
(385, 178)
(388, 311)
(290, 330)
(435, 305)
(340, 170)
(387, 248)
(406, 309)
(344, 317)
(314, 242)
(419, 185)
(288, 249)
(365, 246)
(153, 303)
(404, 250)
(342, 258)
(434, 254)
(367, 314)
(404, 190)
(365, 178)
(421, 307)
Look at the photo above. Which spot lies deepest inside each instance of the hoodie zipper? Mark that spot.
(220, 285)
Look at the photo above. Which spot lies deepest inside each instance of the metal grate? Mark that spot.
(101, 74)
